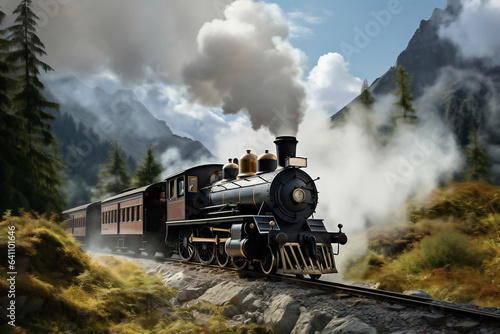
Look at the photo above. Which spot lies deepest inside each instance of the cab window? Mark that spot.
(171, 189)
(217, 176)
(192, 184)
(180, 187)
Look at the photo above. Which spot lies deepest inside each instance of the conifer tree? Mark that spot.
(366, 98)
(402, 80)
(148, 172)
(10, 133)
(42, 175)
(114, 176)
(478, 161)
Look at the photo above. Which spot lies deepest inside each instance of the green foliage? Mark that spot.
(451, 248)
(478, 161)
(11, 157)
(31, 161)
(149, 171)
(114, 176)
(460, 201)
(366, 98)
(406, 111)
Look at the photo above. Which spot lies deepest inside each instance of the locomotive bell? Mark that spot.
(266, 163)
(248, 165)
(230, 170)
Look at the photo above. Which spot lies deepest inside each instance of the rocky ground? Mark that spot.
(287, 308)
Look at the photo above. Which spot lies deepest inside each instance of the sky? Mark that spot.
(331, 26)
(146, 47)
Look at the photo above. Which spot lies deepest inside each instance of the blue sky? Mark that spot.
(332, 23)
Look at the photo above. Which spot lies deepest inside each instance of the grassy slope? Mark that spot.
(450, 247)
(64, 291)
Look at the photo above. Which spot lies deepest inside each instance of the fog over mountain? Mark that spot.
(453, 60)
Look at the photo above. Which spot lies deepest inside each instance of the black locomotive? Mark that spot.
(257, 212)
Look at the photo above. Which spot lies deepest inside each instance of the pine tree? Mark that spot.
(478, 161)
(42, 175)
(11, 159)
(366, 98)
(114, 176)
(148, 172)
(402, 80)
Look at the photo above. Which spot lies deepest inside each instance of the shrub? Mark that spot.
(451, 248)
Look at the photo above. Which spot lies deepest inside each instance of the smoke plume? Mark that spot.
(245, 63)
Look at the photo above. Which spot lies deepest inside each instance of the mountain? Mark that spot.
(463, 90)
(122, 117)
(90, 119)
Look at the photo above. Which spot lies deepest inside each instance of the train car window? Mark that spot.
(139, 207)
(84, 221)
(180, 187)
(217, 176)
(132, 214)
(171, 189)
(192, 184)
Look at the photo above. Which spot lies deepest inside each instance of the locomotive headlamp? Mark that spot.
(299, 195)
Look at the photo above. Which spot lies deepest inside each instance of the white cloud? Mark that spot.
(475, 31)
(298, 22)
(330, 84)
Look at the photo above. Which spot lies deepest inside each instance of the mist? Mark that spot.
(475, 31)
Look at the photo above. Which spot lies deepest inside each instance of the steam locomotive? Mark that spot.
(258, 212)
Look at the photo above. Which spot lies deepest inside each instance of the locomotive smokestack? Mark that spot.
(285, 147)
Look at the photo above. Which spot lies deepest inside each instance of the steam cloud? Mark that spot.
(475, 31)
(245, 63)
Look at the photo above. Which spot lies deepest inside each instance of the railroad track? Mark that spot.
(339, 289)
(344, 291)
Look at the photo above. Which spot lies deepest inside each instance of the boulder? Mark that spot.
(188, 294)
(349, 325)
(282, 314)
(175, 281)
(251, 303)
(226, 293)
(311, 322)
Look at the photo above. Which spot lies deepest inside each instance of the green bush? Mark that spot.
(451, 248)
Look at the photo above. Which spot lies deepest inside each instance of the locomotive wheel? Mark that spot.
(223, 259)
(240, 264)
(186, 248)
(206, 250)
(269, 263)
(314, 277)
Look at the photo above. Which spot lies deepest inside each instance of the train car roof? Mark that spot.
(125, 194)
(79, 208)
(192, 168)
(130, 192)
